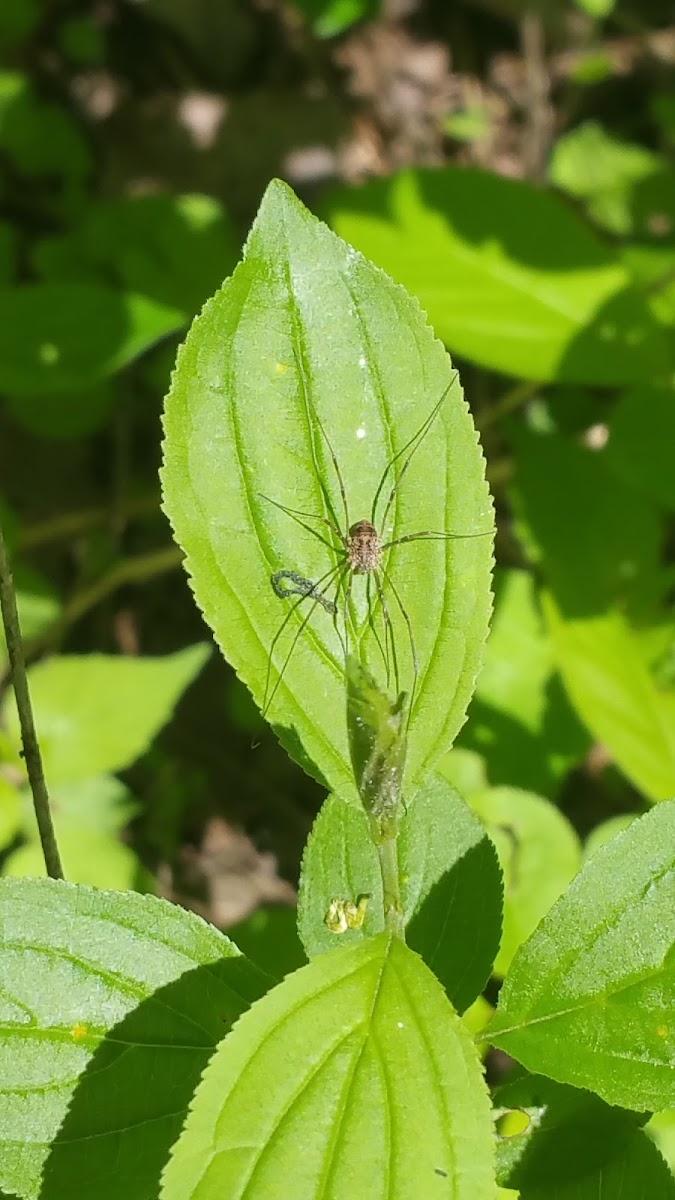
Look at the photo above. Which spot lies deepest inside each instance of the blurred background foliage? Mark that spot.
(512, 164)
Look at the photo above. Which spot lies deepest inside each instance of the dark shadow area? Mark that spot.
(130, 1103)
(457, 927)
(536, 761)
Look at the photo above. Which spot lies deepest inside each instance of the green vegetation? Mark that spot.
(416, 483)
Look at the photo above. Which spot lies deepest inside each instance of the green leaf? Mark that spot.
(539, 854)
(330, 17)
(596, 8)
(340, 864)
(661, 1129)
(520, 719)
(642, 435)
(39, 138)
(589, 999)
(614, 692)
(110, 1008)
(88, 814)
(510, 277)
(174, 249)
(607, 830)
(625, 188)
(97, 714)
(60, 336)
(11, 812)
(451, 891)
(88, 857)
(364, 1066)
(653, 269)
(576, 1147)
(307, 331)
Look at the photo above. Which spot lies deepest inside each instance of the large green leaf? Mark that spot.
(97, 713)
(308, 337)
(110, 1007)
(371, 1086)
(539, 853)
(54, 337)
(450, 886)
(589, 999)
(576, 1147)
(510, 277)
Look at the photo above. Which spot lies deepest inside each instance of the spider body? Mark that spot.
(364, 548)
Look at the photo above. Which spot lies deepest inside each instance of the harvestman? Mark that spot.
(360, 550)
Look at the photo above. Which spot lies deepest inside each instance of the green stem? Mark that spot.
(388, 855)
(31, 748)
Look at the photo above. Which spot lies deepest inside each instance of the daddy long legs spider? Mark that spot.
(357, 548)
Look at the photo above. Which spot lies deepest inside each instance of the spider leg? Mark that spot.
(297, 513)
(317, 598)
(388, 627)
(433, 533)
(384, 650)
(411, 637)
(337, 470)
(412, 444)
(309, 413)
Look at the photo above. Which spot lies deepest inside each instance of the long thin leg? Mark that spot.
(338, 472)
(432, 533)
(296, 513)
(388, 630)
(328, 579)
(299, 362)
(411, 637)
(415, 441)
(384, 650)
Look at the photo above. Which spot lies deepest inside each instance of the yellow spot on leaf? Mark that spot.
(78, 1032)
(662, 1030)
(281, 368)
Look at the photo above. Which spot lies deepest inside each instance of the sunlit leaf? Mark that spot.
(509, 276)
(307, 332)
(589, 999)
(365, 1068)
(97, 713)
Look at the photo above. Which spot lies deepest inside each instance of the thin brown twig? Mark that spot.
(31, 747)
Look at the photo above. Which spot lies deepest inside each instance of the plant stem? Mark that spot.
(388, 855)
(31, 748)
